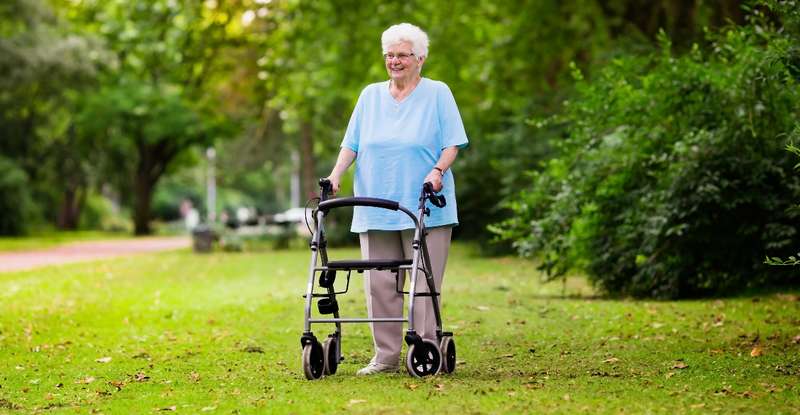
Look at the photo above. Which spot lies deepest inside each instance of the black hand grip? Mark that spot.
(436, 200)
(327, 188)
(357, 201)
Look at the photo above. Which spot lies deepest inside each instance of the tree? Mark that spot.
(44, 67)
(162, 99)
(289, 73)
(316, 60)
(505, 62)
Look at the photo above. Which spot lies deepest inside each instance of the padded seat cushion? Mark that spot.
(362, 264)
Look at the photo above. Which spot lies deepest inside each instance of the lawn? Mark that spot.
(52, 238)
(219, 334)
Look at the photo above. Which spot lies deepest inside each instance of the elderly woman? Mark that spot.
(403, 132)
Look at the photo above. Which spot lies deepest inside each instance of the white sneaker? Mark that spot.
(374, 368)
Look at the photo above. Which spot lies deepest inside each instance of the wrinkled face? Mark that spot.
(401, 63)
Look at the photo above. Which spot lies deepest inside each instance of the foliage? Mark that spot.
(44, 67)
(155, 124)
(101, 214)
(162, 98)
(673, 181)
(252, 167)
(15, 199)
(322, 53)
(186, 184)
(792, 259)
(98, 92)
(509, 61)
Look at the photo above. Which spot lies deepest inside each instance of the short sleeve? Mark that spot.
(453, 133)
(353, 132)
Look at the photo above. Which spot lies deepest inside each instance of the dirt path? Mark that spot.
(88, 251)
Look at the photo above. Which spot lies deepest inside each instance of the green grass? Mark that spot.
(53, 238)
(176, 325)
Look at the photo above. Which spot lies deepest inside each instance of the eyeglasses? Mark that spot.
(401, 56)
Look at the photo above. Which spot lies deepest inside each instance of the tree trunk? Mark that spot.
(143, 194)
(72, 177)
(70, 210)
(308, 179)
(146, 176)
(153, 161)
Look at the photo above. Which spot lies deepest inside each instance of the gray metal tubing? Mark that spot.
(358, 320)
(429, 277)
(414, 269)
(310, 286)
(323, 256)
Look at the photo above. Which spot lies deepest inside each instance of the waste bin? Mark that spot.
(202, 238)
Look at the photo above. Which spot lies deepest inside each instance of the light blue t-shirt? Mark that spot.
(397, 144)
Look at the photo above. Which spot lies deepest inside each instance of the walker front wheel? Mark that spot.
(331, 355)
(313, 360)
(424, 359)
(448, 348)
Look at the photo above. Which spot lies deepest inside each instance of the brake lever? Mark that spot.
(437, 200)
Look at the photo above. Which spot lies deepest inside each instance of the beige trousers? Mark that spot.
(380, 287)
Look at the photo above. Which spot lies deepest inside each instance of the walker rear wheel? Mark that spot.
(448, 348)
(331, 355)
(424, 360)
(313, 361)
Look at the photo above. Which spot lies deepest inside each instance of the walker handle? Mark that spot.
(437, 200)
(329, 204)
(327, 188)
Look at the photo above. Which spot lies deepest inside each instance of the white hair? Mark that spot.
(406, 32)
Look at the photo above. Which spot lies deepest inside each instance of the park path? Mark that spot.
(88, 251)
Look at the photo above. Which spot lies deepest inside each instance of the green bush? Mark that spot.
(172, 191)
(792, 260)
(16, 205)
(674, 181)
(95, 211)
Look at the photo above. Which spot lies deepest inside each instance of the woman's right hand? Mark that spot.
(334, 183)
(345, 159)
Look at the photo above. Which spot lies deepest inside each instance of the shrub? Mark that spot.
(16, 205)
(99, 213)
(793, 260)
(673, 181)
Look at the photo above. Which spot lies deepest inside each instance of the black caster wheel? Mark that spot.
(424, 360)
(313, 361)
(331, 356)
(448, 349)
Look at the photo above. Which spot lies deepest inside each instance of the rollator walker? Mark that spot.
(425, 357)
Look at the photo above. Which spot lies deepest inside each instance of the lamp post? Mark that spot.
(294, 192)
(211, 186)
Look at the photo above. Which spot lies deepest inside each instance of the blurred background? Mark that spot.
(645, 143)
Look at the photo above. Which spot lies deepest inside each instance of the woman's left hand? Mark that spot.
(435, 179)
